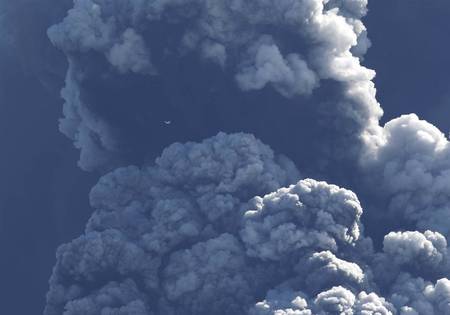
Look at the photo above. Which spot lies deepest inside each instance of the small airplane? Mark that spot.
(167, 122)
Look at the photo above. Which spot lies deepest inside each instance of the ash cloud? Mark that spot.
(226, 225)
(279, 57)
(185, 235)
(167, 227)
(410, 169)
(307, 216)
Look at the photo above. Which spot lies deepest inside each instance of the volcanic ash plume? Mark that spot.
(132, 64)
(209, 228)
(225, 225)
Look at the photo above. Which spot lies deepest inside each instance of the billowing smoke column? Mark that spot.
(186, 235)
(225, 226)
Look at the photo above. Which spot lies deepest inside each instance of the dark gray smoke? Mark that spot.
(173, 229)
(132, 65)
(184, 235)
(225, 225)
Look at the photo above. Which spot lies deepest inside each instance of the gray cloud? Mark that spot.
(216, 226)
(290, 75)
(186, 235)
(130, 54)
(151, 221)
(408, 167)
(113, 299)
(309, 215)
(337, 300)
(417, 296)
(211, 277)
(294, 47)
(427, 249)
(323, 270)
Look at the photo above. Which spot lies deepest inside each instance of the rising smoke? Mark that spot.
(132, 65)
(225, 225)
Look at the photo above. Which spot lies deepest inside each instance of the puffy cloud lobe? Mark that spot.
(214, 52)
(290, 75)
(356, 8)
(121, 187)
(113, 299)
(414, 248)
(371, 304)
(310, 215)
(416, 296)
(96, 253)
(336, 300)
(282, 302)
(130, 54)
(409, 171)
(223, 172)
(85, 29)
(107, 255)
(324, 270)
(191, 186)
(212, 277)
